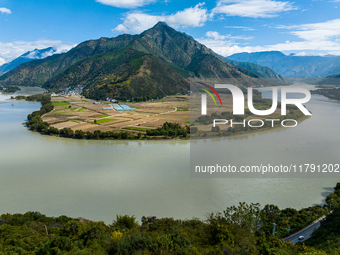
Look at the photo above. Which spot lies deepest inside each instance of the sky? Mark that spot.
(226, 26)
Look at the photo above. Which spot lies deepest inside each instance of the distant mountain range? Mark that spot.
(157, 62)
(291, 66)
(28, 56)
(261, 71)
(330, 80)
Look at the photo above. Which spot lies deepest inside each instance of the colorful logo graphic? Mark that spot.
(213, 90)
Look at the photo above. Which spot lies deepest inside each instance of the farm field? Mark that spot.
(79, 113)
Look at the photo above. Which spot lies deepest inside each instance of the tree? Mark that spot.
(193, 130)
(125, 221)
(96, 134)
(67, 132)
(271, 213)
(332, 200)
(215, 129)
(245, 216)
(80, 134)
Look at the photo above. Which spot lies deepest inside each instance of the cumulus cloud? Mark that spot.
(314, 38)
(137, 22)
(323, 31)
(126, 3)
(12, 50)
(224, 45)
(252, 8)
(5, 10)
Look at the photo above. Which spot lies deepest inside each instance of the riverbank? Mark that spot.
(77, 117)
(102, 177)
(74, 116)
(331, 93)
(233, 230)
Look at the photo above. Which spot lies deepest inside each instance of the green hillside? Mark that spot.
(156, 63)
(36, 73)
(123, 73)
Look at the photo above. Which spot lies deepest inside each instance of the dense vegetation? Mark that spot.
(332, 93)
(243, 229)
(9, 89)
(233, 231)
(123, 74)
(328, 235)
(97, 134)
(35, 121)
(169, 130)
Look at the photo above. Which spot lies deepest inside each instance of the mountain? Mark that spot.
(264, 72)
(292, 66)
(28, 56)
(122, 73)
(37, 72)
(155, 62)
(330, 80)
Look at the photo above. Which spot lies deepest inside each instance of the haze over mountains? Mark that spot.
(157, 62)
(26, 57)
(262, 71)
(292, 66)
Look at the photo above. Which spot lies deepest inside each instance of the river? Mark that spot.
(99, 179)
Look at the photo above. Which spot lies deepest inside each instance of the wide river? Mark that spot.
(99, 179)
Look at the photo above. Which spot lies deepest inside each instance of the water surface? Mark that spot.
(99, 179)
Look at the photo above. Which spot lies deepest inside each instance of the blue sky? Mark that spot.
(226, 26)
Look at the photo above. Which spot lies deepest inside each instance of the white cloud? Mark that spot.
(252, 8)
(316, 32)
(224, 47)
(2, 61)
(5, 10)
(303, 54)
(217, 36)
(35, 54)
(314, 38)
(12, 50)
(240, 27)
(126, 3)
(137, 22)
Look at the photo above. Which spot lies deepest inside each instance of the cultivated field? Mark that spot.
(79, 113)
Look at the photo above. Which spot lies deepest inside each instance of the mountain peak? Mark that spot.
(161, 24)
(28, 56)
